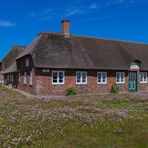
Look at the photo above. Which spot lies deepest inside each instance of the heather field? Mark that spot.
(93, 121)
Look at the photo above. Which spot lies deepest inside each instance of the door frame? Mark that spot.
(136, 89)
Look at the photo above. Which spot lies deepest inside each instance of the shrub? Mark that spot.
(114, 89)
(70, 91)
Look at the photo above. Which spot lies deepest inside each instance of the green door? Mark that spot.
(132, 81)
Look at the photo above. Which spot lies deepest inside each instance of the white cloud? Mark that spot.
(67, 11)
(47, 11)
(73, 12)
(43, 14)
(93, 6)
(105, 17)
(50, 13)
(126, 3)
(32, 14)
(115, 2)
(4, 23)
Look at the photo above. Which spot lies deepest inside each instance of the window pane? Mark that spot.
(55, 77)
(25, 77)
(30, 78)
(84, 74)
(84, 77)
(61, 77)
(27, 62)
(61, 81)
(122, 77)
(145, 76)
(55, 74)
(12, 77)
(19, 77)
(104, 80)
(78, 77)
(141, 77)
(54, 80)
(104, 77)
(99, 77)
(78, 80)
(61, 74)
(118, 77)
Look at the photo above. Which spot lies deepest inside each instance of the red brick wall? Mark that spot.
(21, 64)
(143, 87)
(26, 87)
(42, 83)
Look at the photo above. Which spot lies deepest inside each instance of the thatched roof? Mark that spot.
(9, 61)
(51, 50)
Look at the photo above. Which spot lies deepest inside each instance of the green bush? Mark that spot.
(114, 89)
(70, 91)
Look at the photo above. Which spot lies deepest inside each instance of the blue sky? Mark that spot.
(22, 20)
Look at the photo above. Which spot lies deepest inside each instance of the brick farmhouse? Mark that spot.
(54, 62)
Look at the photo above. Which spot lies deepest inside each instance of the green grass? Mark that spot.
(104, 121)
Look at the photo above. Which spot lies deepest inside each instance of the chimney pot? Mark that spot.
(66, 28)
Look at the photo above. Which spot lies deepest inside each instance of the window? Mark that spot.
(27, 62)
(8, 78)
(12, 78)
(58, 77)
(102, 77)
(134, 66)
(143, 77)
(25, 77)
(120, 77)
(30, 80)
(19, 77)
(81, 77)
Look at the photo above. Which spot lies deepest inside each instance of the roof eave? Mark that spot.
(23, 56)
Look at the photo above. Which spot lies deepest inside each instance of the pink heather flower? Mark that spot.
(28, 139)
(119, 130)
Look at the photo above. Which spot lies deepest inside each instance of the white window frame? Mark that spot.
(143, 81)
(25, 78)
(81, 79)
(27, 62)
(19, 77)
(58, 83)
(102, 73)
(30, 78)
(120, 74)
